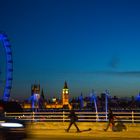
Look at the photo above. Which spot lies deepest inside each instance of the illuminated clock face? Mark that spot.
(65, 91)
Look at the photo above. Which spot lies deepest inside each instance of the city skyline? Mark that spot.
(91, 44)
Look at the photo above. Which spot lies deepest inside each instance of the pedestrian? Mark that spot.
(73, 118)
(111, 118)
(119, 126)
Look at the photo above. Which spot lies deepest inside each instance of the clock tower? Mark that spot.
(65, 95)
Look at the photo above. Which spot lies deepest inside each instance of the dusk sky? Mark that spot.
(92, 44)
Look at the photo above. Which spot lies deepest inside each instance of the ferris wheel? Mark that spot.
(6, 66)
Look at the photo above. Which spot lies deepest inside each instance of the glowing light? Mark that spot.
(11, 125)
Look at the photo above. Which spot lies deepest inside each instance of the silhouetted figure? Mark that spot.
(119, 126)
(73, 118)
(111, 118)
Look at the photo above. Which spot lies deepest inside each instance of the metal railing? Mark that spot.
(130, 117)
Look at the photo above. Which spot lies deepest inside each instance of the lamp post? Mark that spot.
(106, 102)
(93, 99)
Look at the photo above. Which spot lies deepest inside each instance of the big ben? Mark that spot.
(65, 95)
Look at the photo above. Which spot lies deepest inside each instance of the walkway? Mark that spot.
(56, 131)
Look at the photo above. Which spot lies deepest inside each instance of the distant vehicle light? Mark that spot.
(11, 125)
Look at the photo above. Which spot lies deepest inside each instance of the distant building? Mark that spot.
(64, 103)
(35, 89)
(34, 98)
(65, 94)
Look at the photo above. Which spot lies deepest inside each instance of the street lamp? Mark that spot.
(93, 99)
(106, 102)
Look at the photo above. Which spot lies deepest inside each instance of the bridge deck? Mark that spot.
(56, 130)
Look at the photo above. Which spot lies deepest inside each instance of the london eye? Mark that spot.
(6, 67)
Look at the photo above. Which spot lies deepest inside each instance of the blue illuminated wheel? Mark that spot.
(6, 67)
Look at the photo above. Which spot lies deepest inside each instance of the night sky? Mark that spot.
(92, 44)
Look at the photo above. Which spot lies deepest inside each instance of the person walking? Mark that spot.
(111, 118)
(73, 118)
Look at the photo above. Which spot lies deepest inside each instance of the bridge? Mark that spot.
(56, 131)
(52, 125)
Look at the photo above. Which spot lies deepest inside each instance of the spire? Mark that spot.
(65, 85)
(42, 94)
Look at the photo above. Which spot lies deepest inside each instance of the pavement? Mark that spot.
(56, 131)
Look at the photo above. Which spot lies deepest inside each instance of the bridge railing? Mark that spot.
(130, 117)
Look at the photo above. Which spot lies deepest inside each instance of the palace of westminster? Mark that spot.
(37, 101)
(36, 97)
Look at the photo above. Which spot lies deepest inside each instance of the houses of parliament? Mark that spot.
(35, 99)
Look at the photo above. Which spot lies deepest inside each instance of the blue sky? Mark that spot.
(92, 44)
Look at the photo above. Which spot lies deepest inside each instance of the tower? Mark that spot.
(65, 95)
(35, 96)
(35, 89)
